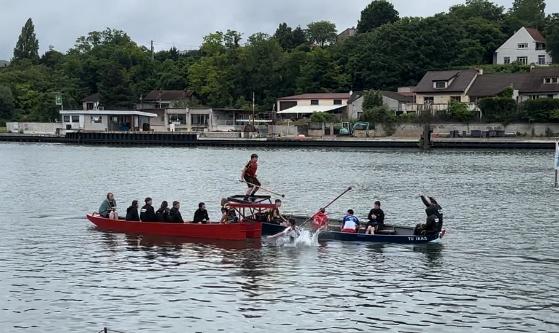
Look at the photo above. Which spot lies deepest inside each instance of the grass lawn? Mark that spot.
(2, 129)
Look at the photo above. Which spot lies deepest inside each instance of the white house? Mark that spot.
(306, 104)
(526, 47)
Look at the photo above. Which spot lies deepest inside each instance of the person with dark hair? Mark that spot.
(275, 216)
(163, 212)
(376, 219)
(132, 212)
(201, 214)
(248, 175)
(147, 213)
(174, 214)
(434, 220)
(108, 207)
(350, 223)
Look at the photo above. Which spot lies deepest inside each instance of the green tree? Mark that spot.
(6, 103)
(322, 33)
(478, 8)
(27, 46)
(322, 117)
(376, 14)
(552, 37)
(460, 112)
(371, 99)
(530, 13)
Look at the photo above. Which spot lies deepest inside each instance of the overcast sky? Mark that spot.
(183, 23)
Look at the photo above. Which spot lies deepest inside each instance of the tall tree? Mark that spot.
(27, 46)
(322, 33)
(284, 36)
(552, 37)
(299, 37)
(6, 103)
(530, 13)
(376, 14)
(478, 8)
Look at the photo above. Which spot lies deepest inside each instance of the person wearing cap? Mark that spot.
(201, 214)
(376, 219)
(248, 175)
(147, 213)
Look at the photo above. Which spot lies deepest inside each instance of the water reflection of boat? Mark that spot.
(217, 231)
(180, 242)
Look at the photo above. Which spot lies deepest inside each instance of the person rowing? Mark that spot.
(292, 231)
(275, 215)
(320, 220)
(248, 175)
(434, 220)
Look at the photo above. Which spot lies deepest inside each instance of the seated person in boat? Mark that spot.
(320, 220)
(228, 215)
(434, 220)
(147, 213)
(175, 214)
(292, 231)
(201, 214)
(108, 207)
(376, 219)
(163, 212)
(132, 212)
(275, 215)
(350, 222)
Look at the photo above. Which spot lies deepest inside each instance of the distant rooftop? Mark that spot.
(316, 96)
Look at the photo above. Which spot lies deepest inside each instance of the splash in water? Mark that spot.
(305, 239)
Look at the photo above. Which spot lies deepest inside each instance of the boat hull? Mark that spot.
(236, 231)
(353, 237)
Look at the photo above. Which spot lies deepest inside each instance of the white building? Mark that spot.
(106, 120)
(526, 47)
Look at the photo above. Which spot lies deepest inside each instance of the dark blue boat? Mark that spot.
(390, 234)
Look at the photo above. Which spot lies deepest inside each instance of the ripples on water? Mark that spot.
(496, 269)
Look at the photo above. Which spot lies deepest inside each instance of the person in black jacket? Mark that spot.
(132, 212)
(163, 212)
(147, 214)
(201, 214)
(376, 219)
(434, 220)
(175, 215)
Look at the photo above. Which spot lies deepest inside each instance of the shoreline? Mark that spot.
(123, 139)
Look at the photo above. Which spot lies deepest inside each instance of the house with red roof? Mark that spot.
(525, 47)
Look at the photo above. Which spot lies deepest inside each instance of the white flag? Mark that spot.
(557, 155)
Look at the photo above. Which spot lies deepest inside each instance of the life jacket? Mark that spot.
(320, 219)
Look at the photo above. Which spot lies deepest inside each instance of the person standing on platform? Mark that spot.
(249, 177)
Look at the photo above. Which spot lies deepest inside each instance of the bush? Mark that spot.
(380, 115)
(322, 117)
(498, 109)
(541, 110)
(371, 99)
(459, 111)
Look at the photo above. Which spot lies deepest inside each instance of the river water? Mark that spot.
(496, 269)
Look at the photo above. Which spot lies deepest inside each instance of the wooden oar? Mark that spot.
(263, 188)
(329, 204)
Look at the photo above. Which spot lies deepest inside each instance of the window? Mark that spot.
(89, 106)
(522, 45)
(66, 119)
(314, 101)
(541, 59)
(507, 60)
(551, 80)
(75, 119)
(179, 119)
(540, 46)
(522, 60)
(96, 119)
(200, 119)
(455, 99)
(337, 102)
(534, 96)
(550, 96)
(428, 100)
(440, 84)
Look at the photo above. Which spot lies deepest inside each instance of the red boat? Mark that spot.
(234, 231)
